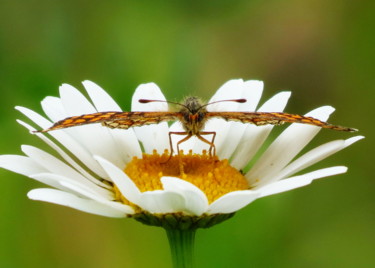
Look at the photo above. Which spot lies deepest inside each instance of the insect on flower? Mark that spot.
(193, 115)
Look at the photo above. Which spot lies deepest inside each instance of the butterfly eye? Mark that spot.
(186, 116)
(201, 116)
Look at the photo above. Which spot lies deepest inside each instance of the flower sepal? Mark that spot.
(181, 221)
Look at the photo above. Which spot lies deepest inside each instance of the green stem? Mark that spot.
(181, 243)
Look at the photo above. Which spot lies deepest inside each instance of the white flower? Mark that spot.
(88, 173)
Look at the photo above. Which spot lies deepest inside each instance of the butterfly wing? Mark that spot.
(122, 120)
(137, 119)
(262, 118)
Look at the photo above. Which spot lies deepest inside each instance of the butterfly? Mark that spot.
(193, 116)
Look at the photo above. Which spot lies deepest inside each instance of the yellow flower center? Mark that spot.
(213, 176)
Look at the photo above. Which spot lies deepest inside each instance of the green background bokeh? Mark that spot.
(323, 51)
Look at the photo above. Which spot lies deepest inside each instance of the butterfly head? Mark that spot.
(193, 115)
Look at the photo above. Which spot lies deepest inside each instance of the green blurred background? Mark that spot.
(324, 51)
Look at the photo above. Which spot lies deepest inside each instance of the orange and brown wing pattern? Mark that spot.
(137, 119)
(262, 118)
(122, 120)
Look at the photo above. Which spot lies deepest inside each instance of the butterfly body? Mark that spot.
(193, 115)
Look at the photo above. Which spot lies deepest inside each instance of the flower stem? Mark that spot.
(181, 243)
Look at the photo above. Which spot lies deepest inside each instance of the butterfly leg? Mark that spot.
(188, 136)
(211, 143)
(170, 141)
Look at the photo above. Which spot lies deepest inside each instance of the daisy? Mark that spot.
(131, 173)
(102, 171)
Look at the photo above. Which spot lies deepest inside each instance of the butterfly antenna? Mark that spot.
(176, 103)
(171, 102)
(233, 100)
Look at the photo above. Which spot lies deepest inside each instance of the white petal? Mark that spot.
(232, 89)
(152, 136)
(85, 192)
(277, 103)
(20, 164)
(35, 117)
(76, 104)
(195, 201)
(315, 155)
(100, 98)
(225, 144)
(254, 136)
(253, 92)
(127, 144)
(125, 185)
(55, 180)
(126, 140)
(148, 91)
(229, 134)
(299, 181)
(237, 89)
(287, 145)
(51, 163)
(45, 178)
(61, 136)
(233, 201)
(53, 108)
(64, 155)
(160, 201)
(70, 200)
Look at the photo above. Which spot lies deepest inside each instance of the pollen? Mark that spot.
(213, 176)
